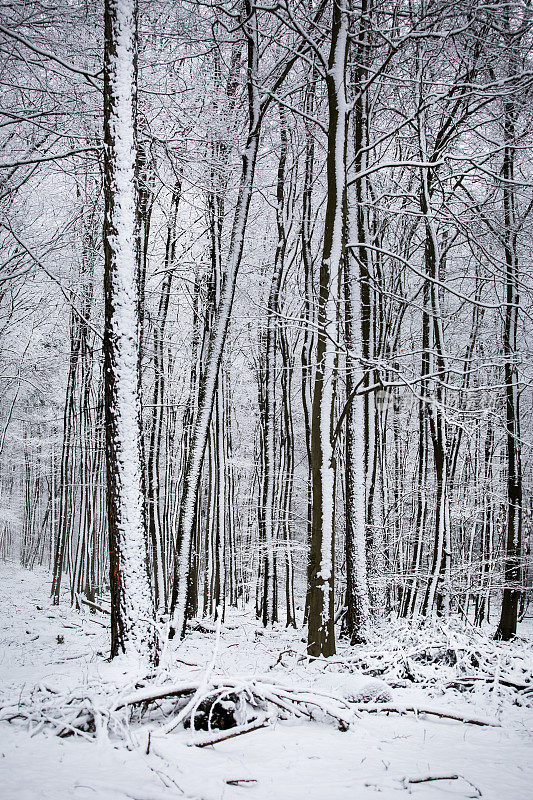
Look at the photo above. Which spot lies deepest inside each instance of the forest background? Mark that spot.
(333, 289)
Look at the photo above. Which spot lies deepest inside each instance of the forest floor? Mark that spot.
(382, 755)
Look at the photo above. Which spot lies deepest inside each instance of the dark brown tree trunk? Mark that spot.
(321, 631)
(513, 543)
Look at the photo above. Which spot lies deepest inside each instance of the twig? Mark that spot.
(221, 736)
(196, 699)
(96, 622)
(428, 778)
(283, 653)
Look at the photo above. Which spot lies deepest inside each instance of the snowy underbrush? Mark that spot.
(439, 656)
(402, 670)
(236, 676)
(391, 715)
(118, 699)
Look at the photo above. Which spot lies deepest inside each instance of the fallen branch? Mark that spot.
(151, 693)
(96, 622)
(205, 626)
(464, 681)
(93, 605)
(442, 713)
(284, 653)
(429, 778)
(294, 701)
(240, 781)
(221, 736)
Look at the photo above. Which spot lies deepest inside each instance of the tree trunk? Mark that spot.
(513, 544)
(132, 613)
(208, 384)
(321, 631)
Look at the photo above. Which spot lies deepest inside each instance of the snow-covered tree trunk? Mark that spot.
(441, 565)
(287, 473)
(209, 379)
(309, 308)
(132, 615)
(154, 493)
(321, 632)
(357, 596)
(269, 460)
(272, 465)
(513, 544)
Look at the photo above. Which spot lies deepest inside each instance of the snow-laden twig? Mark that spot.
(195, 700)
(204, 740)
(440, 655)
(431, 778)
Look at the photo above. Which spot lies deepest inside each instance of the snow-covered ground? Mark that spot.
(379, 756)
